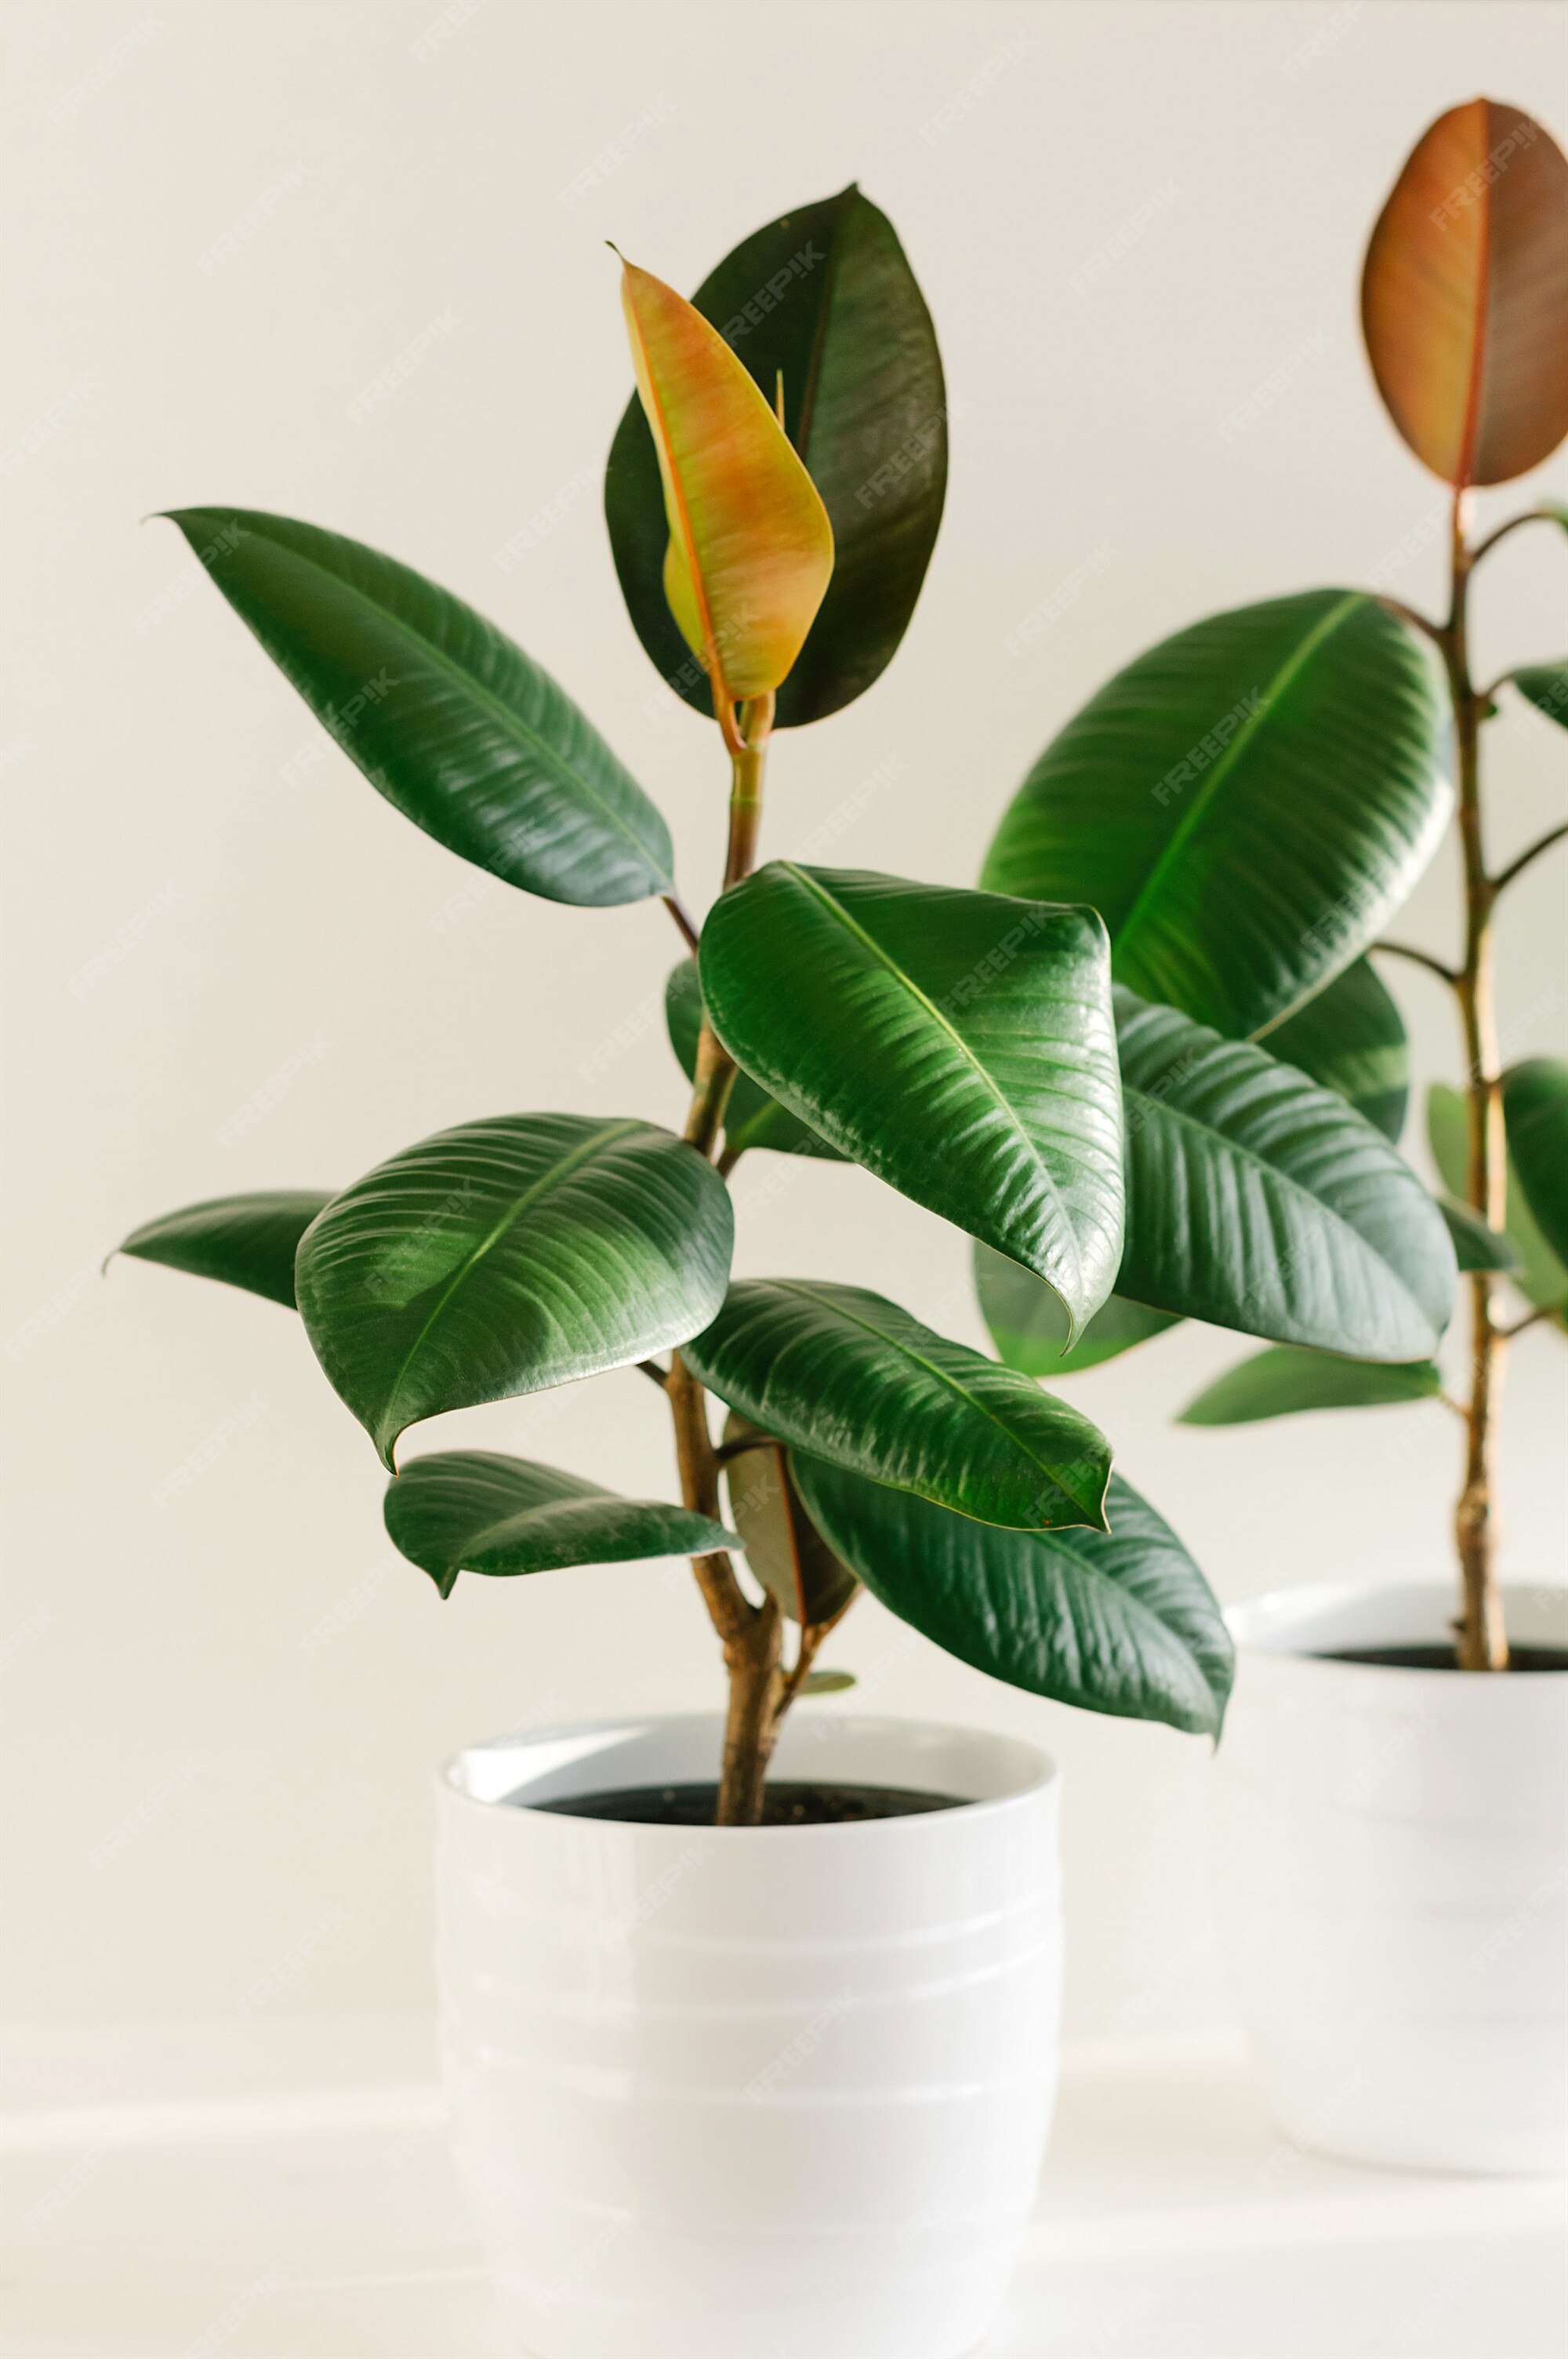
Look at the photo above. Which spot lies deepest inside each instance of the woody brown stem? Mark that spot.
(750, 1635)
(1482, 1639)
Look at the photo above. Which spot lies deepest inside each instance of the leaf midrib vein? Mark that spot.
(869, 1326)
(836, 910)
(485, 695)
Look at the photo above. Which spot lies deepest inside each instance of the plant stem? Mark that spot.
(1481, 1636)
(750, 1635)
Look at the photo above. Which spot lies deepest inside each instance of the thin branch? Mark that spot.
(813, 1637)
(676, 909)
(1460, 1411)
(1516, 867)
(1526, 516)
(1420, 958)
(729, 1450)
(1417, 621)
(728, 1160)
(1547, 1311)
(661, 1376)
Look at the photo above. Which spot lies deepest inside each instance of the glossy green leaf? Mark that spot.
(1535, 1109)
(783, 1547)
(1121, 1622)
(850, 1376)
(1540, 1277)
(1351, 1037)
(1546, 686)
(1029, 1326)
(1244, 804)
(752, 1118)
(508, 1255)
(456, 727)
(1283, 1380)
(1476, 1246)
(1258, 1200)
(823, 298)
(245, 1241)
(958, 1044)
(474, 1511)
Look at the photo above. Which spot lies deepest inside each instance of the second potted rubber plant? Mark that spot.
(1395, 1777)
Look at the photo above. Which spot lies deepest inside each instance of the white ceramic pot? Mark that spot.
(775, 2093)
(1393, 1877)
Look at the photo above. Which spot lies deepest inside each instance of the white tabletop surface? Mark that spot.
(283, 2190)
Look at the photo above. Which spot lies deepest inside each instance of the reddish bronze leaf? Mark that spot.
(1464, 295)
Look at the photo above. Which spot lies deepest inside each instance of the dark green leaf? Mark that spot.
(1476, 1246)
(247, 1241)
(1279, 1382)
(824, 297)
(508, 1255)
(1351, 1037)
(1029, 1326)
(783, 1547)
(1541, 1278)
(1535, 1108)
(1258, 1200)
(454, 725)
(1244, 804)
(752, 1118)
(850, 1376)
(959, 1045)
(473, 1511)
(1546, 686)
(1119, 1622)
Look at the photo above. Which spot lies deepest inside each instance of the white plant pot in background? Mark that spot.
(775, 2093)
(1391, 1859)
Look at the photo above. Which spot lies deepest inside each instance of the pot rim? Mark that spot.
(1030, 1771)
(1290, 1621)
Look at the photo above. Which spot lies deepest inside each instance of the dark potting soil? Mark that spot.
(783, 1805)
(1443, 1657)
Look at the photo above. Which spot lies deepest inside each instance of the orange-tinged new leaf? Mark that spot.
(750, 547)
(1464, 295)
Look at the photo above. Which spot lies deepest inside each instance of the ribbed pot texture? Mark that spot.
(775, 2093)
(1391, 1859)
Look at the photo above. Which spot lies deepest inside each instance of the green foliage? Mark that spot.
(1546, 686)
(959, 1045)
(509, 1256)
(1476, 1247)
(1258, 1200)
(1540, 1276)
(824, 300)
(752, 1118)
(1028, 1324)
(855, 1380)
(1351, 1037)
(1224, 826)
(1244, 804)
(456, 727)
(1535, 1108)
(1119, 1622)
(245, 1241)
(1285, 1380)
(474, 1511)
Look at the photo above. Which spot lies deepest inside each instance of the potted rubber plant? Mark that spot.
(749, 2018)
(1394, 1809)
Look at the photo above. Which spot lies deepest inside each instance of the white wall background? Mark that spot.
(231, 965)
